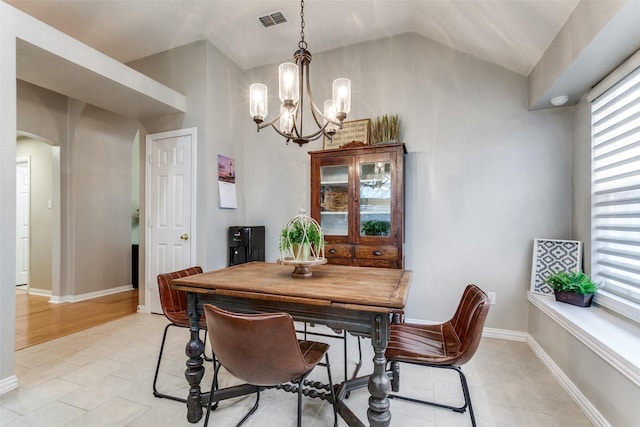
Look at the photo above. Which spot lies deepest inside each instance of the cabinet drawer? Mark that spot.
(376, 252)
(378, 263)
(335, 250)
(340, 261)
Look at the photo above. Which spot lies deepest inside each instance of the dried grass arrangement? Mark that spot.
(386, 128)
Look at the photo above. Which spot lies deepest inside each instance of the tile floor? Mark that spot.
(102, 377)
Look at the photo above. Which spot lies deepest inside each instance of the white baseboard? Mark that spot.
(90, 295)
(40, 292)
(505, 334)
(589, 410)
(141, 309)
(8, 384)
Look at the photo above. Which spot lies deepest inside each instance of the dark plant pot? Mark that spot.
(573, 298)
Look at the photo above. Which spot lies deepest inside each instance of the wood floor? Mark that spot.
(38, 321)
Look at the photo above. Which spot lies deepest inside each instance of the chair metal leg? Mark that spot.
(300, 403)
(214, 387)
(467, 396)
(342, 336)
(251, 411)
(204, 352)
(300, 382)
(333, 392)
(359, 364)
(156, 393)
(465, 392)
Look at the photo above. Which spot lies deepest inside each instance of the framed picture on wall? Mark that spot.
(551, 256)
(356, 130)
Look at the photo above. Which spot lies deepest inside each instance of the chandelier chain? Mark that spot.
(294, 87)
(302, 44)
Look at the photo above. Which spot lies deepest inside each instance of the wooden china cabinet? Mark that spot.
(357, 196)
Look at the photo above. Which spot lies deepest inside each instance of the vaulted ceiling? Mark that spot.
(513, 34)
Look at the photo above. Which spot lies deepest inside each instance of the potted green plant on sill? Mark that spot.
(302, 238)
(574, 287)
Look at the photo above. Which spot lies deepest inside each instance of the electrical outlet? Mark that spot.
(492, 298)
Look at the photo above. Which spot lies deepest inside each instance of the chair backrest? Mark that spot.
(260, 349)
(174, 302)
(468, 321)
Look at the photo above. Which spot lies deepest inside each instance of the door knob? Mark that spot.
(185, 236)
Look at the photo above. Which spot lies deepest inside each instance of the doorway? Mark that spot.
(170, 207)
(23, 221)
(37, 215)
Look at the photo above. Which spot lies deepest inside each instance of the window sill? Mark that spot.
(622, 306)
(612, 338)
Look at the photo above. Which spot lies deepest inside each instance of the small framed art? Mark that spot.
(551, 256)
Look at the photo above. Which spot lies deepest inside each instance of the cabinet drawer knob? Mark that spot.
(377, 253)
(333, 251)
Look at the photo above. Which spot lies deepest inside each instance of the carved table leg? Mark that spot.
(195, 369)
(378, 412)
(395, 376)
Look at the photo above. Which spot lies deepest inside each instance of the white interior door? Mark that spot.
(170, 207)
(23, 198)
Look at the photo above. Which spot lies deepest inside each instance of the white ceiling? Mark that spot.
(510, 33)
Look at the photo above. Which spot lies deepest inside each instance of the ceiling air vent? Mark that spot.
(272, 18)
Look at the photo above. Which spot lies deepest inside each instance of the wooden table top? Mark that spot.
(361, 288)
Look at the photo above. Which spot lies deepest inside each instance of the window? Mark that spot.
(615, 171)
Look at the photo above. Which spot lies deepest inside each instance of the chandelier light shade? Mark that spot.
(329, 116)
(288, 81)
(341, 98)
(259, 101)
(293, 80)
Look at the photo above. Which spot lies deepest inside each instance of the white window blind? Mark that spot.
(616, 189)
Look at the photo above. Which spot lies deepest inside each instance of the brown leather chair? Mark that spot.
(263, 350)
(174, 307)
(447, 345)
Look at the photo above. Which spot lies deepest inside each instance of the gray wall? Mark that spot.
(581, 179)
(42, 112)
(98, 190)
(211, 83)
(484, 175)
(587, 22)
(95, 157)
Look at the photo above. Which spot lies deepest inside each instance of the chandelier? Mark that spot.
(293, 78)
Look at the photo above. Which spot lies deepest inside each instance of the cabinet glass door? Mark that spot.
(334, 200)
(375, 198)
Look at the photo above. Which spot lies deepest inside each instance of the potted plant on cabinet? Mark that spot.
(573, 287)
(386, 129)
(376, 228)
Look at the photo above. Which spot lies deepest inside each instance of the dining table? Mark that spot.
(360, 300)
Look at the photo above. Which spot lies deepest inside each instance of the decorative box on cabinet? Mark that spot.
(349, 188)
